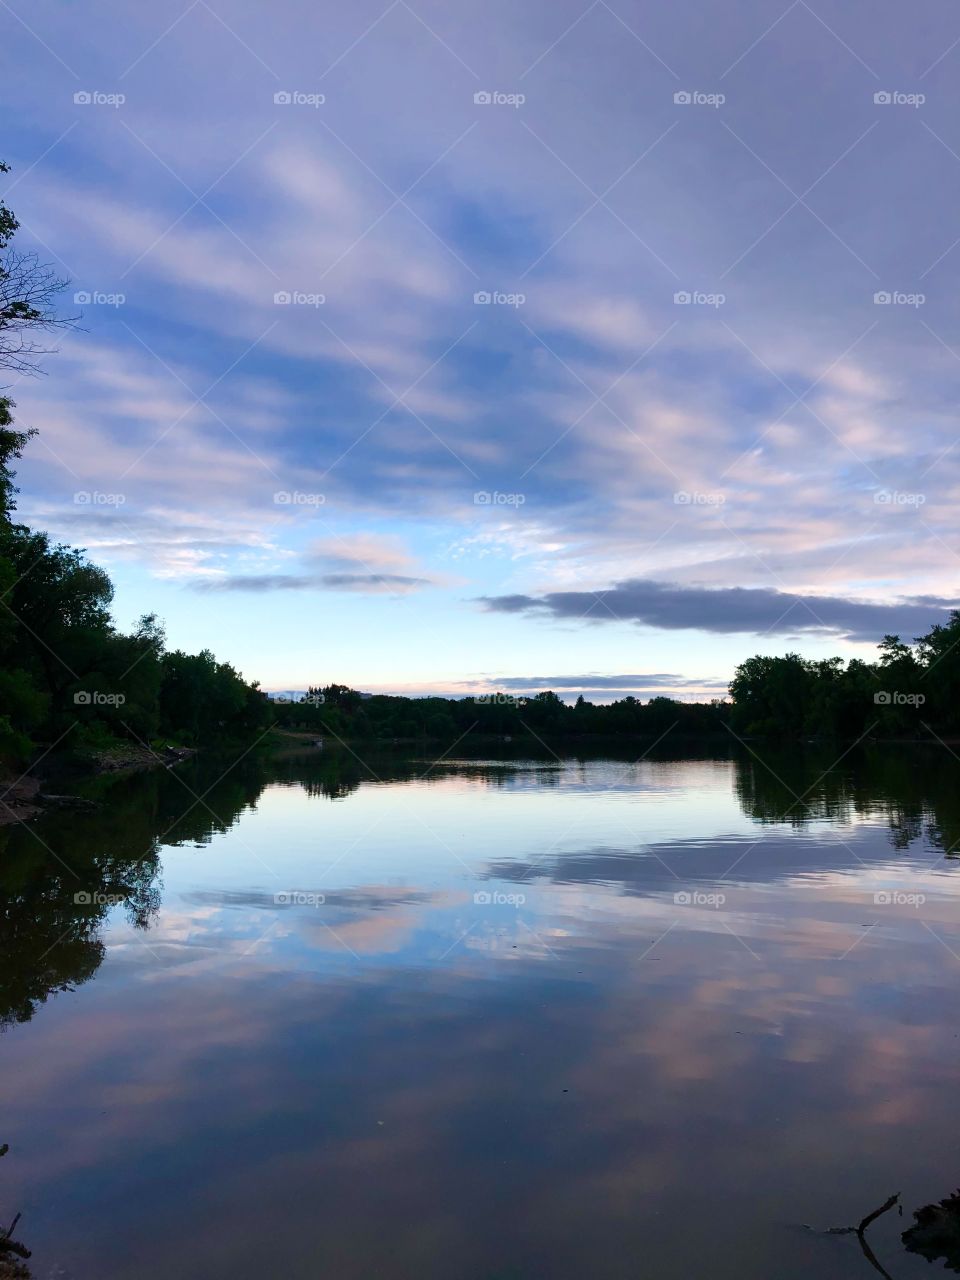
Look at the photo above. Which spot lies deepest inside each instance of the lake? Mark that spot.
(297, 1015)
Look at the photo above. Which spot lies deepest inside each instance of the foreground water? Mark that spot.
(485, 1018)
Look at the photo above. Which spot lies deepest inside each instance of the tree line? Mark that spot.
(911, 691)
(67, 673)
(65, 669)
(346, 713)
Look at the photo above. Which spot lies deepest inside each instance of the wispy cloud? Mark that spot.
(363, 563)
(368, 582)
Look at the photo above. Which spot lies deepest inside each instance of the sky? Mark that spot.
(432, 347)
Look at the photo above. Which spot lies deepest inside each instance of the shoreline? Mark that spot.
(27, 797)
(24, 798)
(328, 741)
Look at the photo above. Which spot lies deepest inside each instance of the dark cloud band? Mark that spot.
(728, 610)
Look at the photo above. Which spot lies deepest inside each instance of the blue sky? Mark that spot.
(440, 347)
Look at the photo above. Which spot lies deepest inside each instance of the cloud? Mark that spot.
(367, 563)
(593, 686)
(372, 897)
(658, 680)
(726, 610)
(365, 582)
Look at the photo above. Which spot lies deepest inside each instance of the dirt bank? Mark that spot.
(18, 800)
(25, 797)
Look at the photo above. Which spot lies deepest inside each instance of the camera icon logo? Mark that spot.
(283, 899)
(282, 299)
(82, 98)
(82, 698)
(483, 98)
(82, 298)
(882, 699)
(682, 899)
(82, 899)
(682, 298)
(482, 298)
(683, 98)
(882, 298)
(482, 499)
(883, 98)
(482, 898)
(283, 98)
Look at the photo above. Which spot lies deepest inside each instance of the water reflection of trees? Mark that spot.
(13, 1254)
(50, 939)
(61, 877)
(934, 1235)
(914, 788)
(337, 774)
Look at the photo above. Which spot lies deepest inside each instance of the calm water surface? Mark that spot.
(484, 1018)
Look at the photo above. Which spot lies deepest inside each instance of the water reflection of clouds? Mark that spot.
(342, 1092)
(206, 929)
(738, 1065)
(600, 897)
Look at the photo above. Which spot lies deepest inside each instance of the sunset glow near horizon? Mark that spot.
(431, 348)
